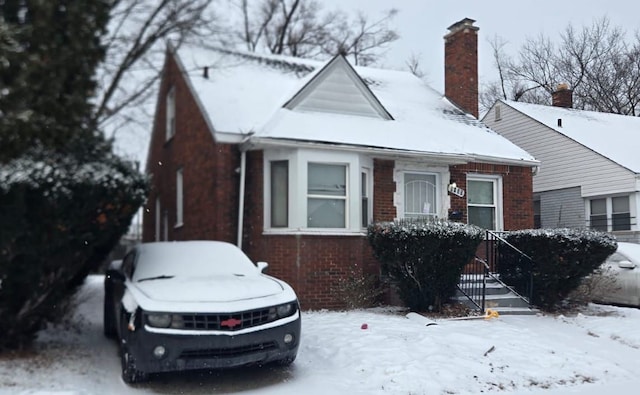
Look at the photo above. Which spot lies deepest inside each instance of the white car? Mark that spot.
(197, 305)
(623, 266)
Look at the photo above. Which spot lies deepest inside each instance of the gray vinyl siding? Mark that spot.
(562, 208)
(564, 162)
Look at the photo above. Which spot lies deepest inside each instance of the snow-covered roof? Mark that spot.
(611, 135)
(246, 94)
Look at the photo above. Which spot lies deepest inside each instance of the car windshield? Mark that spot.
(191, 258)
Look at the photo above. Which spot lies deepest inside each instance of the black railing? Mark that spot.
(473, 283)
(500, 256)
(504, 257)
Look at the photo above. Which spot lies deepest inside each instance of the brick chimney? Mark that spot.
(562, 97)
(461, 65)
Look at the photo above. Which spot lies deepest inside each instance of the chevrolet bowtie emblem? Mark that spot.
(230, 323)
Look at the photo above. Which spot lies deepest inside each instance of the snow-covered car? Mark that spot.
(197, 305)
(623, 266)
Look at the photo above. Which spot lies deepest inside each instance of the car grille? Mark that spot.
(228, 352)
(227, 322)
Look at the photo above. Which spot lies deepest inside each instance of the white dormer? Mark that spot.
(338, 88)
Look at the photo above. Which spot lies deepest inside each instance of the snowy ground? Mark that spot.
(591, 353)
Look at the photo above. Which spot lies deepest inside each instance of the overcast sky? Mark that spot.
(423, 23)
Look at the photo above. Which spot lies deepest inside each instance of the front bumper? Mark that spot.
(204, 351)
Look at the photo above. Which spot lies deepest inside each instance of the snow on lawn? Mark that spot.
(593, 352)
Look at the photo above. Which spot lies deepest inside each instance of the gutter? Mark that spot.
(452, 159)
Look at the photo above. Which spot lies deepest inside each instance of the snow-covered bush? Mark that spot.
(60, 219)
(425, 258)
(560, 259)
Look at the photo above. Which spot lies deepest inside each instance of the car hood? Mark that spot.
(214, 289)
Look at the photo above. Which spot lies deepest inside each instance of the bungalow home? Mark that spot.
(292, 159)
(590, 163)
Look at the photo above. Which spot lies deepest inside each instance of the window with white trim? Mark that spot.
(326, 195)
(171, 113)
(316, 191)
(279, 194)
(366, 203)
(179, 198)
(420, 195)
(610, 213)
(484, 202)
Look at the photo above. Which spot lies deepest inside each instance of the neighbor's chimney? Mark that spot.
(461, 65)
(562, 97)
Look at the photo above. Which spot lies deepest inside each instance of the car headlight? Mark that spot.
(159, 320)
(285, 310)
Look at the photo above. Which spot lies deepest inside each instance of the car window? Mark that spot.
(127, 264)
(193, 258)
(616, 257)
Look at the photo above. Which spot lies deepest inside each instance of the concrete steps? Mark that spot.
(499, 298)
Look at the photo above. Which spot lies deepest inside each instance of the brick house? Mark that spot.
(590, 169)
(292, 159)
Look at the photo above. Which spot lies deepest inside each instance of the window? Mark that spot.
(165, 225)
(598, 215)
(280, 194)
(537, 216)
(483, 207)
(610, 214)
(420, 195)
(158, 218)
(326, 195)
(316, 191)
(171, 114)
(365, 201)
(179, 198)
(620, 214)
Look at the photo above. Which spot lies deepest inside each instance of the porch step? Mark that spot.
(498, 298)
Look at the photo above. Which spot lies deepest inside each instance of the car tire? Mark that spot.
(130, 374)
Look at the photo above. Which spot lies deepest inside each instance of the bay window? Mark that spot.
(316, 191)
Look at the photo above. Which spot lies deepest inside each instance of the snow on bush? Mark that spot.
(425, 258)
(560, 259)
(61, 217)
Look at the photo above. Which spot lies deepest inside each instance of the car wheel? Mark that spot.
(130, 374)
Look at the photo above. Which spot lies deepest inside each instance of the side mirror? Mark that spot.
(626, 265)
(262, 266)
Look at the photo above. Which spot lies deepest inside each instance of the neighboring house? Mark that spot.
(292, 159)
(590, 163)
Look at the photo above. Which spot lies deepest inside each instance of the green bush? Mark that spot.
(560, 259)
(426, 259)
(60, 219)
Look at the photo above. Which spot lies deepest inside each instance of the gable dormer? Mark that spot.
(337, 88)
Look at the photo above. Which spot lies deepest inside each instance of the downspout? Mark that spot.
(243, 171)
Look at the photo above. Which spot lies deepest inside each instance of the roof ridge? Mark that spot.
(270, 60)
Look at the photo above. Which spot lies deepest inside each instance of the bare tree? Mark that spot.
(597, 62)
(413, 64)
(300, 28)
(136, 42)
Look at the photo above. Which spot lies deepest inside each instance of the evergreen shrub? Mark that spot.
(560, 259)
(425, 258)
(60, 219)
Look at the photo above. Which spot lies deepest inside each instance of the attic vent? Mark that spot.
(559, 122)
(497, 113)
